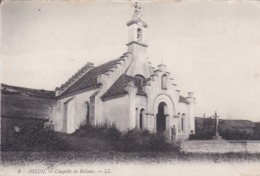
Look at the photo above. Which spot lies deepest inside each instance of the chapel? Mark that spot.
(127, 92)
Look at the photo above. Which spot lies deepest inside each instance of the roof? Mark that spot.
(90, 78)
(24, 103)
(183, 99)
(118, 87)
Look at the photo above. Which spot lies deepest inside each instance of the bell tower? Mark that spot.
(137, 28)
(137, 43)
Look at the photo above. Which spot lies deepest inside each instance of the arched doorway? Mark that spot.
(161, 118)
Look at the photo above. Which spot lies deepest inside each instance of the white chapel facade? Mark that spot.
(128, 92)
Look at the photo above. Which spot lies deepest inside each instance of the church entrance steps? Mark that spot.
(220, 146)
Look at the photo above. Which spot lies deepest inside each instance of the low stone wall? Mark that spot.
(220, 146)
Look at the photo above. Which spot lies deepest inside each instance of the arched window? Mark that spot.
(164, 82)
(179, 122)
(136, 117)
(139, 35)
(183, 122)
(141, 119)
(87, 113)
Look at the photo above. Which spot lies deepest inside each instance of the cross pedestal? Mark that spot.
(217, 136)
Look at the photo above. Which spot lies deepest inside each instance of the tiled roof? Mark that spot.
(90, 78)
(183, 100)
(118, 87)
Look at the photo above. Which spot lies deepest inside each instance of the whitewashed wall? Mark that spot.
(116, 111)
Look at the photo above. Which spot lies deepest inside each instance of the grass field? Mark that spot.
(97, 144)
(83, 157)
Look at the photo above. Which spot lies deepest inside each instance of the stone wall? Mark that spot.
(221, 146)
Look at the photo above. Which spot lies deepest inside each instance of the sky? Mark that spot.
(211, 48)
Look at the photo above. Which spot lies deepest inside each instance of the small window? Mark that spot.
(164, 82)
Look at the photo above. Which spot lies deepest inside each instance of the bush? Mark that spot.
(130, 141)
(144, 141)
(107, 131)
(35, 136)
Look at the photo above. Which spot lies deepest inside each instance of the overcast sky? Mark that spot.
(210, 48)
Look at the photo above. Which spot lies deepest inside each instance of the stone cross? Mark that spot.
(216, 122)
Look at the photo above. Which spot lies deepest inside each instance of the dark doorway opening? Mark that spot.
(161, 118)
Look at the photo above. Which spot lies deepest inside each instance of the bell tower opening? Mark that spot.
(139, 35)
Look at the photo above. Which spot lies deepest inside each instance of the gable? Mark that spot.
(90, 78)
(118, 87)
